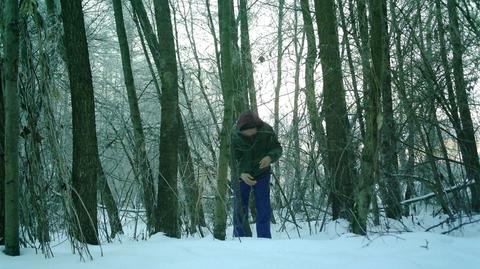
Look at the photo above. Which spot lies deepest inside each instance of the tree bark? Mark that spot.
(389, 185)
(85, 151)
(278, 86)
(140, 153)
(339, 155)
(11, 49)
(2, 159)
(225, 17)
(109, 201)
(167, 199)
(470, 156)
(246, 56)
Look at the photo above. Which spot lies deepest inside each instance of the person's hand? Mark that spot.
(265, 162)
(248, 179)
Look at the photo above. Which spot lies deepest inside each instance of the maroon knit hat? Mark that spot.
(247, 120)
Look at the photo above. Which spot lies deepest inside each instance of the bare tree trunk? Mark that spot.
(405, 105)
(34, 178)
(240, 97)
(109, 201)
(351, 66)
(310, 97)
(11, 49)
(389, 185)
(369, 164)
(278, 85)
(298, 48)
(167, 200)
(340, 157)
(225, 17)
(246, 56)
(187, 172)
(470, 158)
(140, 153)
(2, 158)
(85, 151)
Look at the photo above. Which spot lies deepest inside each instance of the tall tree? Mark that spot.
(167, 199)
(470, 156)
(369, 162)
(85, 151)
(310, 97)
(339, 163)
(140, 152)
(278, 84)
(11, 52)
(389, 185)
(240, 91)
(225, 17)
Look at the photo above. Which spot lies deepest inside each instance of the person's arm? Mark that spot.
(275, 149)
(235, 156)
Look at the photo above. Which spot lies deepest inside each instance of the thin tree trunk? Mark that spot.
(225, 16)
(109, 201)
(389, 185)
(246, 56)
(351, 66)
(85, 151)
(167, 199)
(11, 52)
(405, 105)
(34, 178)
(310, 96)
(278, 85)
(190, 185)
(211, 25)
(298, 48)
(193, 44)
(187, 172)
(240, 91)
(140, 153)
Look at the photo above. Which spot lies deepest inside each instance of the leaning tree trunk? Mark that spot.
(339, 155)
(470, 158)
(140, 153)
(109, 202)
(224, 16)
(85, 151)
(11, 49)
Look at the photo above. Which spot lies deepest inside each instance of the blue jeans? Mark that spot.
(261, 190)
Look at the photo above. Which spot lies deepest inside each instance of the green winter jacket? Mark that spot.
(246, 152)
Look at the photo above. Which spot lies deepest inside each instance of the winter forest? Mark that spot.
(118, 120)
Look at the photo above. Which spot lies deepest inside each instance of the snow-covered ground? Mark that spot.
(332, 248)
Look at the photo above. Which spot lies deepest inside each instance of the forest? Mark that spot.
(117, 115)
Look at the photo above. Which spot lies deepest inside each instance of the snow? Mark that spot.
(331, 248)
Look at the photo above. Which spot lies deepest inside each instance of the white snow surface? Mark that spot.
(331, 248)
